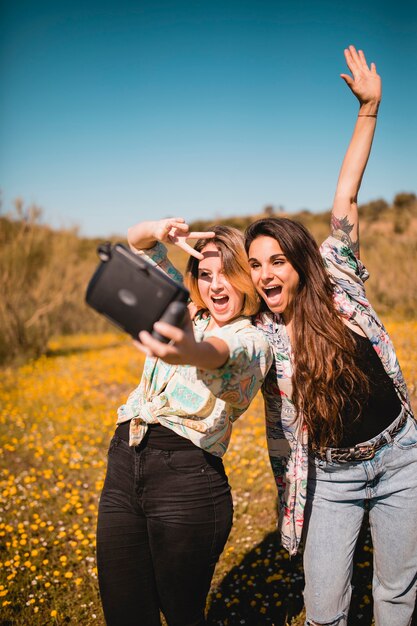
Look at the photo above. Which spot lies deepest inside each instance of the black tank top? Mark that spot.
(380, 408)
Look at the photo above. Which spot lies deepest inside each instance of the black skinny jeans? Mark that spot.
(163, 520)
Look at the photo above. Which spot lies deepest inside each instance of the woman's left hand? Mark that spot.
(182, 351)
(365, 83)
(209, 354)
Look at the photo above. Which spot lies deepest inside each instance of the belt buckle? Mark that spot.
(366, 452)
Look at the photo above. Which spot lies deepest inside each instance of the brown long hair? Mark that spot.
(326, 378)
(231, 245)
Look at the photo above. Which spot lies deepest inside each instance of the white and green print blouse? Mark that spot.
(198, 404)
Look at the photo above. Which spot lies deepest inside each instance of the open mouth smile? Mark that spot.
(220, 302)
(272, 292)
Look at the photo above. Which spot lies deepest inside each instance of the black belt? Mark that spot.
(358, 452)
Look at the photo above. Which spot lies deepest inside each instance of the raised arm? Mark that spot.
(365, 84)
(209, 354)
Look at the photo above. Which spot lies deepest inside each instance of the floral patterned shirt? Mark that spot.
(286, 435)
(198, 404)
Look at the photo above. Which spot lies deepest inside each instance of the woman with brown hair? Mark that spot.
(166, 509)
(341, 433)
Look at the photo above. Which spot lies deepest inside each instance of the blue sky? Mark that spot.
(114, 112)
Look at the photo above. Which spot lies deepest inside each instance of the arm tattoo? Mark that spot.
(341, 229)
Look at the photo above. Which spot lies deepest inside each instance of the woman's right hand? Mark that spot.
(175, 230)
(170, 230)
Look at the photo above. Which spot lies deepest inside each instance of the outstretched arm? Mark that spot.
(365, 84)
(209, 354)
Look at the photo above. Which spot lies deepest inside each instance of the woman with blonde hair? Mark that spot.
(166, 509)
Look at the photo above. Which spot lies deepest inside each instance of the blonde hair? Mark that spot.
(230, 243)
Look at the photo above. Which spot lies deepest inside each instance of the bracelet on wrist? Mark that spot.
(366, 115)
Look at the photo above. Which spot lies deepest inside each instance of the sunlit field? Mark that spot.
(57, 417)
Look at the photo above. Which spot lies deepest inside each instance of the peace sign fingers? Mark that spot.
(179, 239)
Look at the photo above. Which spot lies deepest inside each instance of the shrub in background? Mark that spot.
(44, 272)
(43, 275)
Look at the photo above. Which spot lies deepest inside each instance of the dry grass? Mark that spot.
(44, 273)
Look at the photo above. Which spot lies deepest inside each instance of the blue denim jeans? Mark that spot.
(163, 520)
(336, 498)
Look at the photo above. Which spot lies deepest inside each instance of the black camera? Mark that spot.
(133, 294)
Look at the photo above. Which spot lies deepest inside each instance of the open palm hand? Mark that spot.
(365, 83)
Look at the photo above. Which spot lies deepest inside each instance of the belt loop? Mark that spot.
(387, 437)
(329, 455)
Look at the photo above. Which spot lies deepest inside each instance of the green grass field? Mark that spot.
(57, 417)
